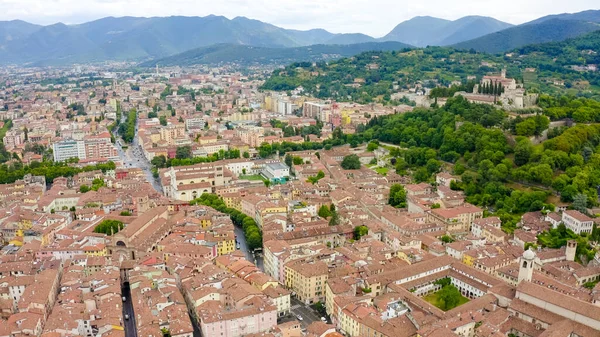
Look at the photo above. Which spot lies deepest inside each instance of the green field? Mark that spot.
(434, 299)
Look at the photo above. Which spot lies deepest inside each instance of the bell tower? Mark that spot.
(526, 266)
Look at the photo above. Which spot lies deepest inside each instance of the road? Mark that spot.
(128, 324)
(307, 313)
(133, 157)
(241, 239)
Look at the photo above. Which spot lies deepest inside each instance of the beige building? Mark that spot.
(307, 278)
(457, 220)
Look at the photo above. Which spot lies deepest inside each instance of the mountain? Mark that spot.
(135, 39)
(546, 31)
(249, 55)
(14, 30)
(587, 16)
(418, 31)
(424, 31)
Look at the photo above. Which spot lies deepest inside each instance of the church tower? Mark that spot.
(526, 266)
(571, 250)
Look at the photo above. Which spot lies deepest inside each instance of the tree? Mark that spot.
(523, 152)
(449, 297)
(421, 175)
(397, 196)
(108, 226)
(163, 120)
(324, 212)
(360, 231)
(183, 152)
(433, 166)
(159, 161)
(314, 179)
(580, 203)
(84, 189)
(372, 146)
(351, 162)
(289, 161)
(335, 219)
(297, 160)
(246, 154)
(447, 239)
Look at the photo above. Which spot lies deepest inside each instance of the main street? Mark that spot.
(133, 157)
(128, 323)
(257, 259)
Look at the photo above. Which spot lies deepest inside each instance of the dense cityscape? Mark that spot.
(403, 192)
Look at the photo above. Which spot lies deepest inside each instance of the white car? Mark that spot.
(323, 319)
(124, 299)
(299, 317)
(126, 317)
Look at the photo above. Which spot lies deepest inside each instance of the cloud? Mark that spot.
(373, 17)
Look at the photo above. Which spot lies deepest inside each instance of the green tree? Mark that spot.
(108, 226)
(372, 146)
(297, 161)
(449, 297)
(397, 196)
(523, 152)
(447, 239)
(84, 189)
(580, 203)
(314, 179)
(246, 154)
(351, 162)
(421, 175)
(360, 231)
(289, 161)
(159, 161)
(163, 120)
(324, 212)
(184, 152)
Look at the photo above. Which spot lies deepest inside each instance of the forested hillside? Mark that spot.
(371, 76)
(490, 166)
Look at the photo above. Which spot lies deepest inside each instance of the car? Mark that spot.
(299, 317)
(126, 317)
(323, 319)
(124, 298)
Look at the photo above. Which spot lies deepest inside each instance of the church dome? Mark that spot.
(529, 254)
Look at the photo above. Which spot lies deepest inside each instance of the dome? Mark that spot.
(529, 254)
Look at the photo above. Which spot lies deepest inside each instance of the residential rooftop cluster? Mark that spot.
(120, 243)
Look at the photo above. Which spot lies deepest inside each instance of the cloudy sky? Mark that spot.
(373, 17)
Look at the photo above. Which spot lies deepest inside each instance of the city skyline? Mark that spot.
(357, 16)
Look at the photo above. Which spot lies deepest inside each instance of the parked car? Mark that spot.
(299, 317)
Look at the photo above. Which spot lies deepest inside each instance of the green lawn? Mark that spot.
(433, 299)
(382, 170)
(252, 177)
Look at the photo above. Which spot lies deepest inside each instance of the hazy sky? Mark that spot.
(373, 17)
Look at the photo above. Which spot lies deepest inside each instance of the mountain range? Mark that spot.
(144, 39)
(550, 28)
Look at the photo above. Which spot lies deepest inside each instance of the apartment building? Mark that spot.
(307, 278)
